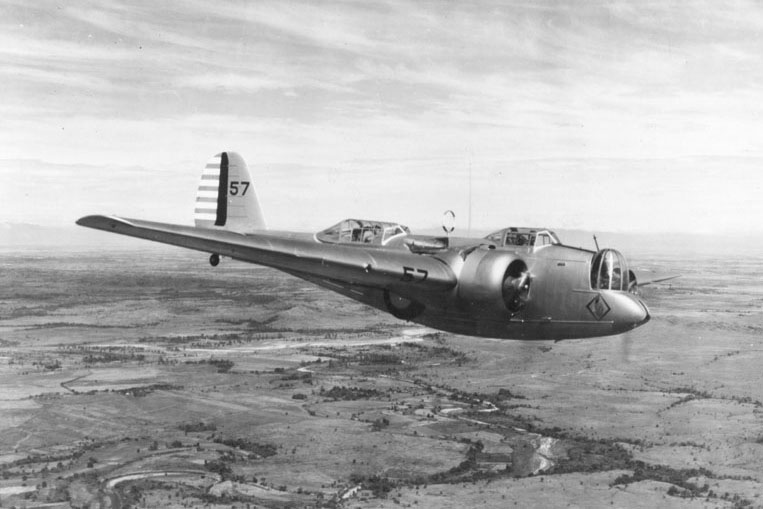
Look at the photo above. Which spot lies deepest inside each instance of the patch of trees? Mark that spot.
(457, 472)
(379, 358)
(197, 427)
(477, 398)
(376, 484)
(48, 365)
(699, 394)
(644, 471)
(587, 455)
(48, 458)
(262, 450)
(265, 325)
(222, 365)
(747, 400)
(226, 499)
(692, 393)
(739, 502)
(682, 487)
(688, 443)
(139, 392)
(679, 479)
(305, 377)
(379, 424)
(342, 393)
(112, 357)
(438, 351)
(218, 467)
(132, 496)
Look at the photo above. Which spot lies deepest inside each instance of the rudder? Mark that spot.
(226, 197)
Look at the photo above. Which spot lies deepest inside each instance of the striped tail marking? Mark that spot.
(211, 197)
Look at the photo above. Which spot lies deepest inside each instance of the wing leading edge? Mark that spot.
(400, 271)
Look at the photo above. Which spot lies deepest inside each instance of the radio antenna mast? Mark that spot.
(469, 217)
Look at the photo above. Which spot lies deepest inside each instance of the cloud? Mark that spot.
(55, 78)
(406, 96)
(229, 81)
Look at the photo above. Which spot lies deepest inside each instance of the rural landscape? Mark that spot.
(150, 379)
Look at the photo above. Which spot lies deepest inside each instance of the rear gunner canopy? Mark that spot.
(527, 237)
(362, 231)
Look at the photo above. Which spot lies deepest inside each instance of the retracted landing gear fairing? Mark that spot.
(517, 283)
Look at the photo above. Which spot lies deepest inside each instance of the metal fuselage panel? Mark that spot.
(560, 303)
(558, 307)
(555, 306)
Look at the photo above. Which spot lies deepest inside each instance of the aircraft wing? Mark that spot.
(298, 254)
(658, 280)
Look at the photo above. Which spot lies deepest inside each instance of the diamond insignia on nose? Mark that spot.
(598, 307)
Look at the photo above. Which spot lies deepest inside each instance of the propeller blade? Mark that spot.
(515, 290)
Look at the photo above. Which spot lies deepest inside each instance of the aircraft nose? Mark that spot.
(631, 312)
(646, 316)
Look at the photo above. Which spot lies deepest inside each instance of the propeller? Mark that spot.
(448, 221)
(515, 290)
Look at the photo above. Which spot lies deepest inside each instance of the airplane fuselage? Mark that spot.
(560, 302)
(517, 283)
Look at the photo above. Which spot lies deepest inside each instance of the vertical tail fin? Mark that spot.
(226, 197)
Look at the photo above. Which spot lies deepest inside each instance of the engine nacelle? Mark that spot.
(493, 284)
(401, 307)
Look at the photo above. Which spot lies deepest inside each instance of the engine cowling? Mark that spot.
(494, 284)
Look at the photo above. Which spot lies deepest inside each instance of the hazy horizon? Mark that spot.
(608, 116)
(20, 237)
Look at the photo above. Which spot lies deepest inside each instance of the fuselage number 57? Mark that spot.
(411, 274)
(236, 187)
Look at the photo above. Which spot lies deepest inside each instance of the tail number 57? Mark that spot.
(236, 186)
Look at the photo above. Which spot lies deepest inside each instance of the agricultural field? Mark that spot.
(150, 379)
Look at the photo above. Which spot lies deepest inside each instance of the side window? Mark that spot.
(345, 231)
(391, 232)
(495, 238)
(519, 239)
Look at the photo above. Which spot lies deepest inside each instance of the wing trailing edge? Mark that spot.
(296, 253)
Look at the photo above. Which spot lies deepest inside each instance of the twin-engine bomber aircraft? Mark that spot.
(516, 283)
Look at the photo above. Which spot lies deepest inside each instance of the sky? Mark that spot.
(600, 115)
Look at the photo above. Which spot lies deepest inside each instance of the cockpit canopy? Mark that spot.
(523, 237)
(362, 231)
(609, 271)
